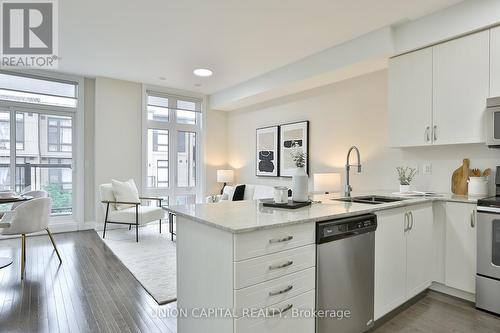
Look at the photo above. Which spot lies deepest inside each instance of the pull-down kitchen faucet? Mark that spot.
(348, 187)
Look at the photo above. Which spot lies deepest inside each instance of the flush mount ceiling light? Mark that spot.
(203, 72)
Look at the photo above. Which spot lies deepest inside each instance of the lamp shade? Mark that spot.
(225, 176)
(326, 182)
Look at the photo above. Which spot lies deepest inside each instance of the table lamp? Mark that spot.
(326, 182)
(225, 176)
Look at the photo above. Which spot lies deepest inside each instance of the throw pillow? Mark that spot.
(125, 191)
(239, 193)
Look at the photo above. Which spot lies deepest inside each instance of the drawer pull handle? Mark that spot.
(275, 312)
(288, 263)
(280, 240)
(275, 293)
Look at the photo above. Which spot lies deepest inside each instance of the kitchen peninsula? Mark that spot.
(241, 255)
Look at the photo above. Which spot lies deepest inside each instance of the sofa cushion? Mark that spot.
(263, 192)
(106, 191)
(239, 193)
(126, 192)
(228, 192)
(146, 214)
(249, 191)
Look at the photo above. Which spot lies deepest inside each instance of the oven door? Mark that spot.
(493, 126)
(488, 244)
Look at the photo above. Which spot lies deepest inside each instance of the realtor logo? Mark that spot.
(29, 33)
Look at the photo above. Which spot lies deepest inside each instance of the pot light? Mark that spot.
(203, 72)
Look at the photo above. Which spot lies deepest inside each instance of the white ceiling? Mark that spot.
(239, 39)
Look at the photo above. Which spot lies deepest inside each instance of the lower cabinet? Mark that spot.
(403, 252)
(460, 251)
(286, 320)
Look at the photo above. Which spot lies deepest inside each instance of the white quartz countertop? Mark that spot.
(244, 216)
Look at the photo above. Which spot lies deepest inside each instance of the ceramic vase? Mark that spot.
(300, 184)
(404, 188)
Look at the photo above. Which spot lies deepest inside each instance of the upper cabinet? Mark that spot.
(410, 99)
(460, 89)
(495, 62)
(438, 95)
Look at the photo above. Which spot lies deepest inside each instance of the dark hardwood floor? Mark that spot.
(93, 292)
(90, 292)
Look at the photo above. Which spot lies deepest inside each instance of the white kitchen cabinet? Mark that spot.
(437, 95)
(403, 257)
(495, 62)
(390, 261)
(460, 88)
(460, 254)
(410, 99)
(419, 251)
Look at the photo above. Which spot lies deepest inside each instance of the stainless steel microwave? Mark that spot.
(493, 122)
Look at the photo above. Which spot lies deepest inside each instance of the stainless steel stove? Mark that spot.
(488, 252)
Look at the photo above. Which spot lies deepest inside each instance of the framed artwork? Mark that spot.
(267, 152)
(293, 136)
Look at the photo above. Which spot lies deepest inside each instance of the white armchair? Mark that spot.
(27, 218)
(136, 214)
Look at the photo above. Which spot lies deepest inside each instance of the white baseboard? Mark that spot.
(453, 292)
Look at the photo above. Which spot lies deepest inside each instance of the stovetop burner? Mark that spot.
(489, 202)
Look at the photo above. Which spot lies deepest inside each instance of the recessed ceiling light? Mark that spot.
(197, 85)
(203, 72)
(162, 78)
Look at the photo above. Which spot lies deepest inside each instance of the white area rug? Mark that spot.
(152, 261)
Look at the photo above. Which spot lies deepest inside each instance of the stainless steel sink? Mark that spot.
(370, 199)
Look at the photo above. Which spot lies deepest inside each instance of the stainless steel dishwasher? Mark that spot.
(345, 268)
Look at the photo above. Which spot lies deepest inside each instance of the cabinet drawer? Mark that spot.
(275, 291)
(283, 323)
(262, 242)
(257, 270)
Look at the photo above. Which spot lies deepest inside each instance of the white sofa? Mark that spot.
(252, 192)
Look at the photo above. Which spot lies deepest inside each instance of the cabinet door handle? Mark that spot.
(288, 263)
(472, 219)
(406, 223)
(434, 132)
(282, 291)
(427, 134)
(411, 217)
(275, 312)
(280, 240)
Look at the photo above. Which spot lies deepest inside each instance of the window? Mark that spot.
(160, 141)
(157, 108)
(186, 159)
(186, 112)
(44, 137)
(59, 134)
(172, 133)
(19, 131)
(157, 158)
(4, 131)
(162, 173)
(27, 89)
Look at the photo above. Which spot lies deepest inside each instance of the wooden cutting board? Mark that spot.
(459, 178)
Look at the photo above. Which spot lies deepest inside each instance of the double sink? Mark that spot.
(370, 199)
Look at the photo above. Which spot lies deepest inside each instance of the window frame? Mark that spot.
(76, 219)
(173, 191)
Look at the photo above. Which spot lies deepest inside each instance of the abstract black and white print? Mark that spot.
(293, 136)
(267, 156)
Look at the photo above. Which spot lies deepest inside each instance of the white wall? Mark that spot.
(352, 112)
(215, 144)
(118, 136)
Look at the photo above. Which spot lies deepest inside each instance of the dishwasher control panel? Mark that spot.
(342, 228)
